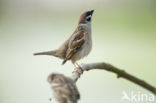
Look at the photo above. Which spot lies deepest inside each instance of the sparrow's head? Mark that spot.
(58, 78)
(86, 17)
(55, 78)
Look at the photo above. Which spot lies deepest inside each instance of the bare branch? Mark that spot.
(120, 73)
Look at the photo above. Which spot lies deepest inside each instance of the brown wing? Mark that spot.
(74, 93)
(76, 43)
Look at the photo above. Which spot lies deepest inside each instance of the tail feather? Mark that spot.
(55, 53)
(46, 53)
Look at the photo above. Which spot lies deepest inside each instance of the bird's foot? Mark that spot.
(78, 70)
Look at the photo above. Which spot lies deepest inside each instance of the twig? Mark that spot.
(120, 73)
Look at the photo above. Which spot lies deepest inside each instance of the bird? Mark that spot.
(78, 45)
(64, 89)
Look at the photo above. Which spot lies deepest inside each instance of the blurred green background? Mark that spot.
(124, 34)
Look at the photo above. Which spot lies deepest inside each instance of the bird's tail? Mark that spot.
(53, 53)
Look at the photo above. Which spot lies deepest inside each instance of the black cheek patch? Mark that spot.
(88, 19)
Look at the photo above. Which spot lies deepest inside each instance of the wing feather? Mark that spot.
(77, 40)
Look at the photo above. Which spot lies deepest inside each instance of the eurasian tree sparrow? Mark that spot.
(63, 89)
(79, 43)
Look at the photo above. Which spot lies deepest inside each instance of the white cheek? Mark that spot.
(89, 16)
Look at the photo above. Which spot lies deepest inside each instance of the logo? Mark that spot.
(137, 97)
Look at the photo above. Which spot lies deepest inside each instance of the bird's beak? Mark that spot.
(91, 12)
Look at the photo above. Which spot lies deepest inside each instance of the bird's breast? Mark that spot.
(87, 46)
